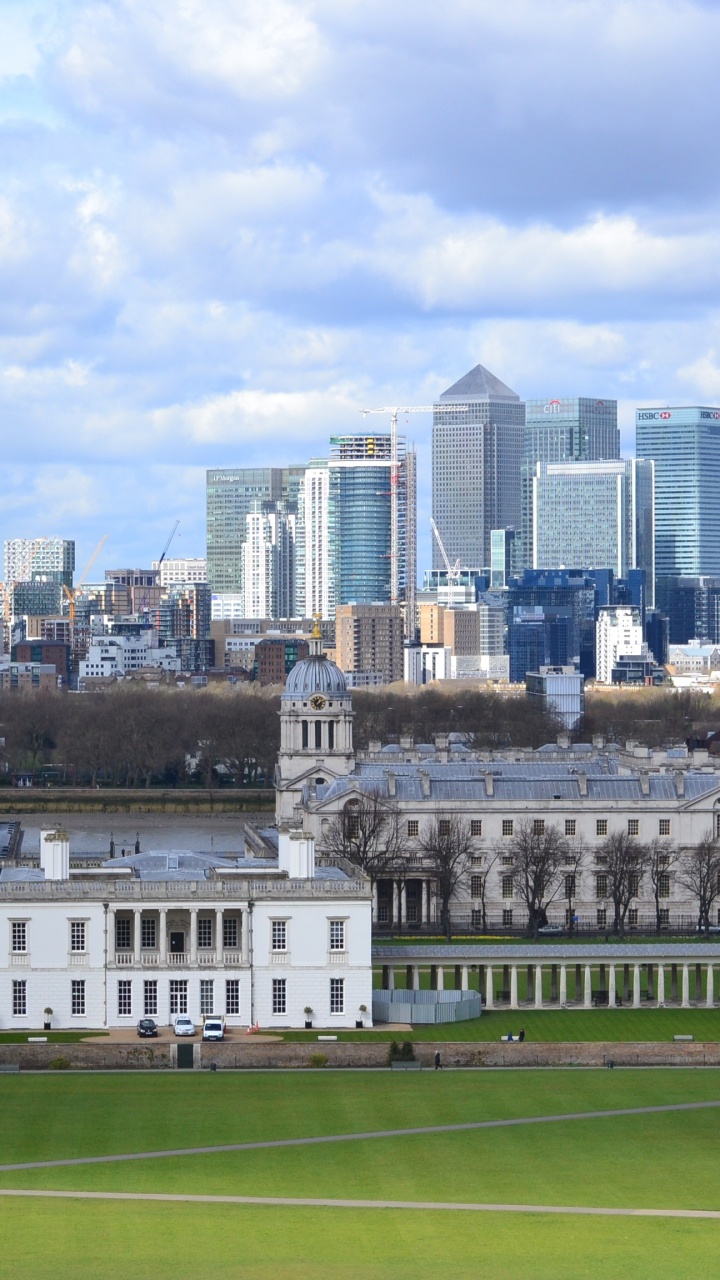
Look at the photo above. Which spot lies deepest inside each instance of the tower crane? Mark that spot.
(453, 570)
(165, 550)
(71, 594)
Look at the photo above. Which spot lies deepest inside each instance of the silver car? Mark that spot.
(184, 1025)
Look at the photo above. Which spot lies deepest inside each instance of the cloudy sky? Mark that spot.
(226, 225)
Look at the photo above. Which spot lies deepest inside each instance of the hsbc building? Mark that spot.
(684, 443)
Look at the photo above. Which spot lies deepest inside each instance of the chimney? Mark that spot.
(489, 785)
(392, 783)
(598, 741)
(296, 854)
(563, 741)
(645, 782)
(582, 782)
(680, 782)
(55, 855)
(424, 783)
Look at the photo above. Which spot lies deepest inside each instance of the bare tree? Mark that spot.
(626, 860)
(446, 846)
(662, 858)
(699, 872)
(367, 832)
(539, 851)
(488, 863)
(571, 867)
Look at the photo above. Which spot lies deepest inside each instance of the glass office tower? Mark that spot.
(573, 429)
(685, 446)
(233, 493)
(477, 444)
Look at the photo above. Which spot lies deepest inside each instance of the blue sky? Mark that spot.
(226, 225)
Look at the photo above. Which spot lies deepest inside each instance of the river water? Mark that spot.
(91, 832)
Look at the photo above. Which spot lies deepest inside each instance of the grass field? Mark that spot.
(663, 1160)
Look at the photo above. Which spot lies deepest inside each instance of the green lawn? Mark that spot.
(53, 1037)
(666, 1160)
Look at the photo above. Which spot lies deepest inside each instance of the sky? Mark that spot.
(228, 225)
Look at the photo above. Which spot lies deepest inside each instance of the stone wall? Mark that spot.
(249, 1054)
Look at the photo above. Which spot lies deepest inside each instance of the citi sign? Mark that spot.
(552, 407)
(647, 415)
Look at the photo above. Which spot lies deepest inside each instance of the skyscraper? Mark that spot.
(232, 494)
(574, 429)
(269, 562)
(477, 445)
(594, 515)
(40, 560)
(685, 446)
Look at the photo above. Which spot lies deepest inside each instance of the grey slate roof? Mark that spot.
(180, 864)
(479, 384)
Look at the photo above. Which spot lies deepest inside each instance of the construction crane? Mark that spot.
(394, 479)
(453, 570)
(71, 594)
(165, 550)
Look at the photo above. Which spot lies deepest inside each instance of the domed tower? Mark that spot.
(315, 727)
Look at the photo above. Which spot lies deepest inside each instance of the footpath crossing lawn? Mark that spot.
(664, 1160)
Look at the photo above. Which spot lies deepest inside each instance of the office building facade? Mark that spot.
(684, 444)
(477, 442)
(40, 559)
(232, 494)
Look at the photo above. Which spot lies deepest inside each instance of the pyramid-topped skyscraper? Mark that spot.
(478, 426)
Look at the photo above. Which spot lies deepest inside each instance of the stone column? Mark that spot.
(440, 978)
(137, 934)
(563, 985)
(193, 935)
(513, 987)
(391, 978)
(111, 939)
(245, 936)
(403, 901)
(464, 979)
(587, 996)
(710, 987)
(538, 987)
(685, 1001)
(416, 977)
(636, 986)
(219, 935)
(611, 987)
(661, 985)
(489, 993)
(163, 939)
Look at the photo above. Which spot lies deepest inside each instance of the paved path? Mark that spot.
(296, 1202)
(358, 1137)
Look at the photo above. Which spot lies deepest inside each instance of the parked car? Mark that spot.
(184, 1025)
(553, 929)
(712, 928)
(214, 1028)
(147, 1027)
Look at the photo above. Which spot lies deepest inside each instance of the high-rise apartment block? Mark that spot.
(269, 562)
(684, 443)
(478, 426)
(40, 560)
(594, 515)
(619, 635)
(369, 642)
(572, 429)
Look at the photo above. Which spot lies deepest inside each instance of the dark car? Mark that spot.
(146, 1027)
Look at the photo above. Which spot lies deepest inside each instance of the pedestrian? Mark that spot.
(521, 1034)
(438, 1063)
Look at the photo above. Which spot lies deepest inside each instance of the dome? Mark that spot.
(316, 674)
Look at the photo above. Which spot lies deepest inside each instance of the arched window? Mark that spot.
(318, 734)
(304, 735)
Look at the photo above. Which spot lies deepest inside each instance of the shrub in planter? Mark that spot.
(407, 1052)
(48, 1016)
(393, 1051)
(318, 1060)
(59, 1064)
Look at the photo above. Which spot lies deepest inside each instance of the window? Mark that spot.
(150, 998)
(444, 825)
(633, 826)
(664, 860)
(507, 860)
(476, 886)
(207, 997)
(230, 933)
(413, 828)
(232, 995)
(570, 826)
(508, 886)
(148, 934)
(279, 935)
(77, 997)
(122, 935)
(663, 886)
(382, 913)
(19, 999)
(601, 917)
(124, 998)
(507, 917)
(633, 917)
(178, 995)
(476, 918)
(634, 884)
(279, 996)
(664, 826)
(601, 886)
(569, 887)
(337, 935)
(507, 826)
(77, 935)
(538, 826)
(476, 860)
(476, 826)
(601, 827)
(664, 918)
(337, 995)
(352, 825)
(205, 932)
(18, 940)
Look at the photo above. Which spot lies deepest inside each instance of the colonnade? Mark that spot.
(157, 955)
(605, 982)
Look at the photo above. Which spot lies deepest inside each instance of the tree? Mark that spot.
(539, 851)
(446, 846)
(626, 860)
(572, 863)
(367, 832)
(698, 872)
(662, 857)
(488, 863)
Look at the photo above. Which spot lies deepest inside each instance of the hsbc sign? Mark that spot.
(649, 415)
(709, 413)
